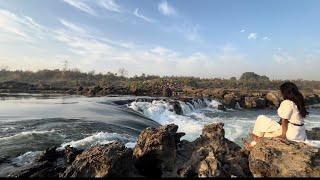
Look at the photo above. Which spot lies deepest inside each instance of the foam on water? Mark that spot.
(99, 139)
(163, 113)
(27, 134)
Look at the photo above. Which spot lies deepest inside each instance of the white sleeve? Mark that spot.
(285, 110)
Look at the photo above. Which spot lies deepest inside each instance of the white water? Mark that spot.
(99, 139)
(203, 112)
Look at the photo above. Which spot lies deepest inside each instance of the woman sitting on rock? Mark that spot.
(292, 112)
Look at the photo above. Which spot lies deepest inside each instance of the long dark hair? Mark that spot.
(291, 92)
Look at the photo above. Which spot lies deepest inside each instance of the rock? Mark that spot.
(311, 99)
(221, 107)
(215, 156)
(230, 100)
(49, 164)
(111, 160)
(176, 107)
(282, 158)
(155, 151)
(71, 153)
(254, 103)
(218, 93)
(313, 134)
(274, 98)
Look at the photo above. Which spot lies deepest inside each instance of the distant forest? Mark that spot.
(75, 78)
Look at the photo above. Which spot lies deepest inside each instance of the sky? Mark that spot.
(207, 38)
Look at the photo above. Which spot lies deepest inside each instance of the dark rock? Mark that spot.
(111, 160)
(283, 158)
(176, 107)
(313, 134)
(71, 153)
(155, 151)
(254, 103)
(230, 100)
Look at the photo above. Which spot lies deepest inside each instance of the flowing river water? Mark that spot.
(31, 123)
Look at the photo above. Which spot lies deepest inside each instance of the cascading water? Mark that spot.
(163, 112)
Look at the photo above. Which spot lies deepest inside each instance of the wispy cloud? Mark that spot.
(166, 9)
(72, 26)
(79, 4)
(20, 27)
(139, 15)
(110, 5)
(253, 36)
(266, 38)
(243, 30)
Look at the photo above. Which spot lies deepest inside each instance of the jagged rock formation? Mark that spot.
(112, 160)
(159, 152)
(283, 158)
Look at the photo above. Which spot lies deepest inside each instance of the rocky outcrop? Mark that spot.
(213, 155)
(156, 151)
(159, 152)
(111, 160)
(282, 158)
(274, 99)
(254, 103)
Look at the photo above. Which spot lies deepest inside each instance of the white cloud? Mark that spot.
(110, 5)
(166, 9)
(243, 30)
(139, 15)
(163, 51)
(252, 36)
(283, 58)
(79, 4)
(266, 38)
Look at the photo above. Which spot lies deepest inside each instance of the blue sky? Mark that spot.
(207, 38)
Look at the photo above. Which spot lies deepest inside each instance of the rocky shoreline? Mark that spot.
(258, 99)
(159, 152)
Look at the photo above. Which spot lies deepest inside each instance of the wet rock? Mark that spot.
(111, 160)
(313, 134)
(49, 164)
(282, 158)
(176, 107)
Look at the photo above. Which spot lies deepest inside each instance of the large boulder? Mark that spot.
(283, 158)
(111, 160)
(156, 151)
(215, 156)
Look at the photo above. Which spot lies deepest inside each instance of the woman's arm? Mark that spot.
(284, 127)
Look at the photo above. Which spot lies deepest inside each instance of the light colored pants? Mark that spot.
(266, 127)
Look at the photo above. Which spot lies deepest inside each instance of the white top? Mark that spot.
(289, 110)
